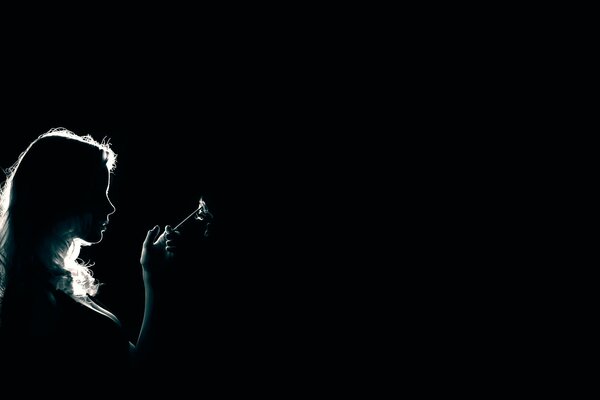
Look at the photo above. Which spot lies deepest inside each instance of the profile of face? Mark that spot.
(59, 189)
(97, 210)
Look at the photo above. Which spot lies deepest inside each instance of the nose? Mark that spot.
(111, 208)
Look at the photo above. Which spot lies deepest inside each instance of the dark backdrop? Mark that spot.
(244, 112)
(226, 303)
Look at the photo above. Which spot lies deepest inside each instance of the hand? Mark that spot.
(158, 251)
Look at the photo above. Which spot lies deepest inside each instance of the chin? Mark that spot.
(96, 238)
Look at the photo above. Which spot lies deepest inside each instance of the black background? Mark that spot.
(235, 113)
(230, 302)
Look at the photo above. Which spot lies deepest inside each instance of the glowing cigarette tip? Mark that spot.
(199, 213)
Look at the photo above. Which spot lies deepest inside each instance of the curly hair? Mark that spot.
(41, 219)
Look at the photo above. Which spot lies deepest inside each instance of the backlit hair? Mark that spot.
(41, 217)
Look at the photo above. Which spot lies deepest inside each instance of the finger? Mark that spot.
(171, 234)
(151, 236)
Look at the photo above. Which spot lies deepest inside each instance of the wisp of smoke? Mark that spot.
(201, 213)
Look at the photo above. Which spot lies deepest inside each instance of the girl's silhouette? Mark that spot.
(55, 200)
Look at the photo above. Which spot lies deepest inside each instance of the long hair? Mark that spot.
(41, 218)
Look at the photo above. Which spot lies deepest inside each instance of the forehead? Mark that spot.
(101, 178)
(106, 177)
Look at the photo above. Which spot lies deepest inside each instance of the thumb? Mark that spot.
(151, 236)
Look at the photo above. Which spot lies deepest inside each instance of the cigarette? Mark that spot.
(200, 213)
